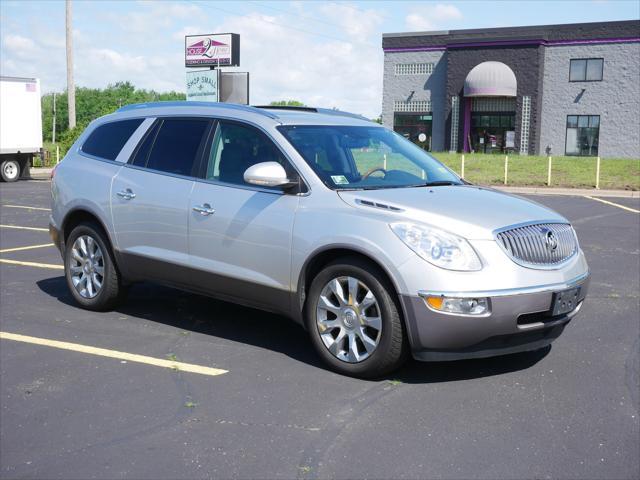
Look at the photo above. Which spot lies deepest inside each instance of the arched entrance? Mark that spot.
(490, 108)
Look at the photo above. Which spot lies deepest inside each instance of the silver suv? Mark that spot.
(371, 244)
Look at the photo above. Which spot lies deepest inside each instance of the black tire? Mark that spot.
(112, 292)
(392, 348)
(10, 170)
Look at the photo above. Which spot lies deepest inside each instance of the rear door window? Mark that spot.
(173, 145)
(107, 140)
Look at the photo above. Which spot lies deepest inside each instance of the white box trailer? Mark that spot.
(20, 125)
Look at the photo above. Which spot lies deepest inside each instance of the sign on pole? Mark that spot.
(510, 139)
(203, 85)
(234, 87)
(212, 50)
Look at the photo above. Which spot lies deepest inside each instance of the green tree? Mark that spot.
(287, 103)
(92, 103)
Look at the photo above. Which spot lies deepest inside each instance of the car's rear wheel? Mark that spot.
(90, 269)
(10, 170)
(354, 321)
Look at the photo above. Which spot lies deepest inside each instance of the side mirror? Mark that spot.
(268, 174)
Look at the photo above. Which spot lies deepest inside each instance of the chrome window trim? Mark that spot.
(549, 288)
(159, 172)
(100, 159)
(535, 266)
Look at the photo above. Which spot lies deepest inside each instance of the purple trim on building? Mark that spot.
(510, 43)
(488, 92)
(467, 124)
(416, 49)
(593, 42)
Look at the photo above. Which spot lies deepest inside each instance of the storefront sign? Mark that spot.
(510, 139)
(220, 49)
(202, 85)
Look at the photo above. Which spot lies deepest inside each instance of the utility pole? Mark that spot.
(53, 127)
(71, 88)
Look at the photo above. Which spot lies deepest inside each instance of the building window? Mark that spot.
(524, 126)
(586, 69)
(418, 106)
(583, 132)
(415, 127)
(413, 68)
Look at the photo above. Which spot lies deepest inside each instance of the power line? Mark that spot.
(308, 17)
(296, 28)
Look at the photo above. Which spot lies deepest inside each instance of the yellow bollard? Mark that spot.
(57, 154)
(597, 173)
(506, 168)
(549, 174)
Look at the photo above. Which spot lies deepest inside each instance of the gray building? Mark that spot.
(565, 89)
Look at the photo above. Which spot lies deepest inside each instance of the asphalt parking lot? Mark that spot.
(273, 411)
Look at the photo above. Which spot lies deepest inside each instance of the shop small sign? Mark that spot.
(202, 86)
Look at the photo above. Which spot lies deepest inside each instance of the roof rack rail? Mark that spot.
(288, 107)
(230, 106)
(324, 111)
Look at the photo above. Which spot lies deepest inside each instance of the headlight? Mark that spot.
(442, 249)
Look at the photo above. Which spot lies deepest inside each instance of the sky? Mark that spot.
(323, 53)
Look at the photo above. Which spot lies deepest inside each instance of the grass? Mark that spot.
(172, 357)
(572, 172)
(488, 169)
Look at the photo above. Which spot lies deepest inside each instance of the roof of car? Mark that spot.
(282, 115)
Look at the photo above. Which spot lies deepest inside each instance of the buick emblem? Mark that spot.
(550, 239)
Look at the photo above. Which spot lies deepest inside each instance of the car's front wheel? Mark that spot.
(90, 269)
(354, 321)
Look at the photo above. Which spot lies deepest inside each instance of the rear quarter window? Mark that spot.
(107, 140)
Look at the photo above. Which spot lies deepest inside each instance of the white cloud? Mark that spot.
(431, 17)
(19, 45)
(288, 64)
(356, 23)
(284, 63)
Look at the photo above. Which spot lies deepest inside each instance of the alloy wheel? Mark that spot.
(349, 319)
(86, 266)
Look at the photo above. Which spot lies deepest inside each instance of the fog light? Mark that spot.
(465, 306)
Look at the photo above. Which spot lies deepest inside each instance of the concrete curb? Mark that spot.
(40, 173)
(581, 192)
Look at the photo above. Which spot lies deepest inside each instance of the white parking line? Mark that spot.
(31, 264)
(27, 207)
(613, 204)
(18, 227)
(103, 352)
(30, 247)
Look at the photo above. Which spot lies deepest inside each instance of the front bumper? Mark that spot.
(519, 321)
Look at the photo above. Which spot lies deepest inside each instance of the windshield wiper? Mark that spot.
(438, 183)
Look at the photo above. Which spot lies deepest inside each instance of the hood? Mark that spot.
(469, 211)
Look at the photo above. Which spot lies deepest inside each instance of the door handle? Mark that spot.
(126, 194)
(204, 209)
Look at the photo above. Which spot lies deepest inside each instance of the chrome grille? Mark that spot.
(542, 245)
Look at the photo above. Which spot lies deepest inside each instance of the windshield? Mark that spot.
(366, 157)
